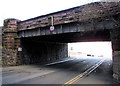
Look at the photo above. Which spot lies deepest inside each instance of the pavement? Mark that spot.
(66, 71)
(14, 74)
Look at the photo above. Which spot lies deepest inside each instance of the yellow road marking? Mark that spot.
(79, 76)
(73, 80)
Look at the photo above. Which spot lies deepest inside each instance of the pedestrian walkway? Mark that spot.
(16, 74)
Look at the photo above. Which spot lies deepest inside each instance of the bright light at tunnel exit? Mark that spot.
(92, 49)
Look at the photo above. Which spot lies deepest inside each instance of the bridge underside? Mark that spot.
(40, 45)
(100, 35)
(44, 49)
(49, 48)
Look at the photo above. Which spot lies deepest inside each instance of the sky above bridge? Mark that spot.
(25, 9)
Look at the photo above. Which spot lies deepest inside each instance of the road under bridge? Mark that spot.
(45, 38)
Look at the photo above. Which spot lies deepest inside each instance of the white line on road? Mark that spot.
(59, 62)
(87, 72)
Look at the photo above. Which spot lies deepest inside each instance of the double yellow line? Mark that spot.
(83, 74)
(73, 80)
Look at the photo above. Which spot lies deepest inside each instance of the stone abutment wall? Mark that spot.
(11, 43)
(115, 38)
(17, 51)
(43, 52)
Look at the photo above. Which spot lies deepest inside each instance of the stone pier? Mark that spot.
(115, 38)
(11, 43)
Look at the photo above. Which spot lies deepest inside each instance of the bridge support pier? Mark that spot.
(115, 38)
(18, 51)
(11, 43)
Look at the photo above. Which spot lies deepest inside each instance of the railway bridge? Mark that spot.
(44, 38)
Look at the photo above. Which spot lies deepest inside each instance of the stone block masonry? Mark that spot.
(11, 43)
(42, 50)
(36, 52)
(0, 45)
(115, 38)
(32, 52)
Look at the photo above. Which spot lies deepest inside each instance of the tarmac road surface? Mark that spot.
(71, 71)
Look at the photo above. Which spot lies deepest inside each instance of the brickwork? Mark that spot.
(11, 42)
(80, 13)
(45, 52)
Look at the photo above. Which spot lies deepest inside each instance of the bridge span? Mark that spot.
(44, 38)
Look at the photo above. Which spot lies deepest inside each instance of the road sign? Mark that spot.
(19, 49)
(52, 28)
